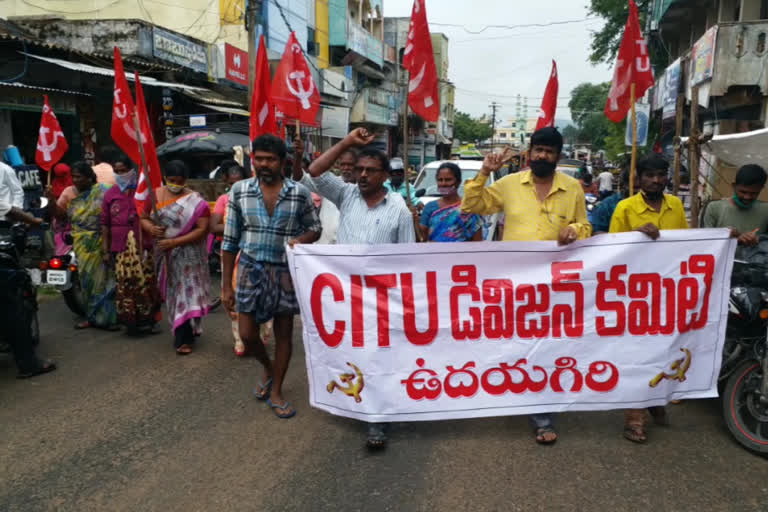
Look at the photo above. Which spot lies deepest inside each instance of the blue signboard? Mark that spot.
(176, 49)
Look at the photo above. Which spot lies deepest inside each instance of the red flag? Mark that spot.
(123, 131)
(51, 144)
(549, 103)
(633, 65)
(293, 90)
(143, 188)
(262, 108)
(418, 59)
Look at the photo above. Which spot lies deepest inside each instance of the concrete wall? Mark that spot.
(199, 19)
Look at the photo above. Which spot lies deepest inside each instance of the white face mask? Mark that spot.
(126, 180)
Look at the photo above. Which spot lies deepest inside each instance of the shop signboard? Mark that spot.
(236, 64)
(335, 121)
(670, 85)
(703, 57)
(179, 50)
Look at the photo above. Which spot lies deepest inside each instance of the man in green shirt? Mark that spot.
(743, 213)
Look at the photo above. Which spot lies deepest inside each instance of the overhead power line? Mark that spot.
(512, 27)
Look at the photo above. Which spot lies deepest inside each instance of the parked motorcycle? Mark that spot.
(744, 373)
(592, 202)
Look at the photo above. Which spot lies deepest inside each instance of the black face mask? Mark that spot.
(542, 168)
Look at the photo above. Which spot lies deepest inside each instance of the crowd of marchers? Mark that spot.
(132, 263)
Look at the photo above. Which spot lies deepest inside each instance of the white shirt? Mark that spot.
(11, 191)
(5, 207)
(606, 181)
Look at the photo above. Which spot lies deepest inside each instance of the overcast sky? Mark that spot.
(498, 64)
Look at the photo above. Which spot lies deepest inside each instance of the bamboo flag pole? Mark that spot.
(416, 227)
(633, 163)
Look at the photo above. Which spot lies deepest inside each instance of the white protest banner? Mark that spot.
(438, 331)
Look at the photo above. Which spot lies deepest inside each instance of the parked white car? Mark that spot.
(427, 180)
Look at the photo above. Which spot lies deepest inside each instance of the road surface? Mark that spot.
(125, 424)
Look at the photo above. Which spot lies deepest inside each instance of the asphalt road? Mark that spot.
(125, 424)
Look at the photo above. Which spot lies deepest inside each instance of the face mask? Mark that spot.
(741, 204)
(174, 189)
(126, 180)
(446, 191)
(542, 168)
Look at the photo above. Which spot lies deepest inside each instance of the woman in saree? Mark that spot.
(180, 227)
(442, 220)
(84, 214)
(61, 182)
(129, 252)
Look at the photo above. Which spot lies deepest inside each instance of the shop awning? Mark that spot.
(227, 110)
(209, 97)
(44, 89)
(739, 149)
(95, 70)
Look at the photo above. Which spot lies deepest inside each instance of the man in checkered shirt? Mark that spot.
(263, 215)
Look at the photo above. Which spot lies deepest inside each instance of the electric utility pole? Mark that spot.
(494, 107)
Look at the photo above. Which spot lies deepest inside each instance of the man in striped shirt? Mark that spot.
(263, 214)
(369, 213)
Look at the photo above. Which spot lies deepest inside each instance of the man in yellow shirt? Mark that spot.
(539, 204)
(648, 211)
(651, 209)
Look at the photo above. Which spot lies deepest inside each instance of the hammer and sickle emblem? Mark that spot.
(679, 368)
(46, 146)
(300, 92)
(354, 383)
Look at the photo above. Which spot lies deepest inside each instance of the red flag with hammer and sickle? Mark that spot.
(633, 65)
(293, 89)
(549, 103)
(51, 144)
(151, 175)
(418, 59)
(262, 108)
(123, 129)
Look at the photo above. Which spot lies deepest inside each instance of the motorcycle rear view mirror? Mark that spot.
(421, 192)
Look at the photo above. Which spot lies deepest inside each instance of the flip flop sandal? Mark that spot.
(184, 350)
(286, 405)
(635, 434)
(43, 368)
(377, 436)
(262, 391)
(82, 325)
(540, 432)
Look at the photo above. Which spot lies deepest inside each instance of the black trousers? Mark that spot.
(15, 319)
(183, 335)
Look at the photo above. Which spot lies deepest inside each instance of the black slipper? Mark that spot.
(46, 367)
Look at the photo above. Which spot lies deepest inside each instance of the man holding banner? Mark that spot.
(369, 212)
(540, 204)
(648, 212)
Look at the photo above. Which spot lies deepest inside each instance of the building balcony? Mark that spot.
(363, 45)
(377, 106)
(741, 56)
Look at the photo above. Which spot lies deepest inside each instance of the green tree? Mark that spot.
(570, 134)
(469, 129)
(606, 41)
(587, 99)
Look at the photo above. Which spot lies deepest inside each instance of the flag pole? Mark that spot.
(416, 227)
(633, 163)
(144, 161)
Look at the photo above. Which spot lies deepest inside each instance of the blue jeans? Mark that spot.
(541, 420)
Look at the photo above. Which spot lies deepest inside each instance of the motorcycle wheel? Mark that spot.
(74, 297)
(745, 416)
